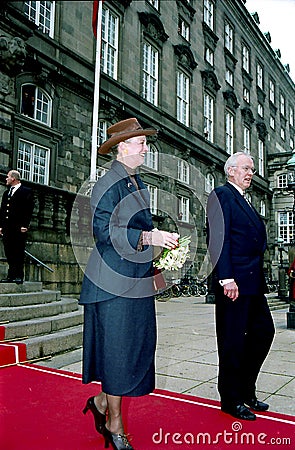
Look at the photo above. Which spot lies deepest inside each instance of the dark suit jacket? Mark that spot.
(16, 212)
(120, 214)
(236, 240)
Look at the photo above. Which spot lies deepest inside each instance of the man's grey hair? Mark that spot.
(232, 161)
(15, 174)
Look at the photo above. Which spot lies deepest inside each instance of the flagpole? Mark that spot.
(96, 95)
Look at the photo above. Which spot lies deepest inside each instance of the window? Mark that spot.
(246, 59)
(272, 122)
(42, 14)
(246, 95)
(100, 172)
(209, 56)
(259, 76)
(155, 3)
(248, 197)
(229, 77)
(209, 183)
(36, 104)
(260, 157)
(153, 191)
(183, 29)
(283, 133)
(109, 43)
(208, 117)
(183, 209)
(182, 98)
(285, 226)
(151, 157)
(262, 208)
(282, 105)
(260, 110)
(228, 37)
(282, 181)
(150, 74)
(271, 91)
(101, 132)
(33, 162)
(183, 171)
(246, 140)
(208, 13)
(229, 130)
(291, 117)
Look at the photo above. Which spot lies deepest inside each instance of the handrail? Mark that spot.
(38, 261)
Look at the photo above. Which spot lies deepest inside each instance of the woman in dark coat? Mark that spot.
(117, 291)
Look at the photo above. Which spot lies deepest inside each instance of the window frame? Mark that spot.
(153, 191)
(261, 157)
(246, 58)
(208, 116)
(150, 73)
(286, 226)
(229, 132)
(229, 36)
(182, 97)
(208, 13)
(37, 100)
(36, 19)
(31, 171)
(183, 208)
(109, 48)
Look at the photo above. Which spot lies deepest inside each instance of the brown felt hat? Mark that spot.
(123, 130)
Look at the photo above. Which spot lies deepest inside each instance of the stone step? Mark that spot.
(43, 325)
(66, 360)
(27, 286)
(54, 343)
(29, 298)
(21, 313)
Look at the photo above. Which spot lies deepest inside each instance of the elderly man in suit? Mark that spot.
(15, 215)
(244, 326)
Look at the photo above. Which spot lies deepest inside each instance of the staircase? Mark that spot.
(46, 322)
(274, 302)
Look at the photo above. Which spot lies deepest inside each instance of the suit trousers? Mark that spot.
(245, 331)
(14, 246)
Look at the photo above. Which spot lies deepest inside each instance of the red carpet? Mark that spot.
(11, 353)
(42, 409)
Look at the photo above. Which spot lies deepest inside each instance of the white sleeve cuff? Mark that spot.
(226, 281)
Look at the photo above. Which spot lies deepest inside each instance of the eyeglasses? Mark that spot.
(247, 169)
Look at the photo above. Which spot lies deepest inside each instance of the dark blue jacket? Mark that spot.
(236, 240)
(120, 213)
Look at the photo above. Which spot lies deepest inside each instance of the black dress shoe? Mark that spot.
(239, 411)
(7, 280)
(255, 404)
(17, 280)
(99, 418)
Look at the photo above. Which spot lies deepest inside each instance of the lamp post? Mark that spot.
(291, 186)
(282, 290)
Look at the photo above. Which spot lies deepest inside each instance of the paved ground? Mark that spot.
(186, 357)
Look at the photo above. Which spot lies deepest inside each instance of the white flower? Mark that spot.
(174, 259)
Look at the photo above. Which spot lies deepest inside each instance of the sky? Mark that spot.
(278, 17)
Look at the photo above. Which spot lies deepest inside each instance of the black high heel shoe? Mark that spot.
(99, 418)
(117, 441)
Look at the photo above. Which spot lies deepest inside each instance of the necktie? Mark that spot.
(10, 191)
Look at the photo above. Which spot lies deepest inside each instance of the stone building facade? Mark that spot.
(200, 71)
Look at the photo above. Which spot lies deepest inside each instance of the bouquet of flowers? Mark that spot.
(174, 259)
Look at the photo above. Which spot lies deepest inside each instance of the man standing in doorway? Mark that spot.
(15, 215)
(244, 326)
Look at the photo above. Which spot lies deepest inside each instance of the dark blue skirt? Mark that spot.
(119, 343)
